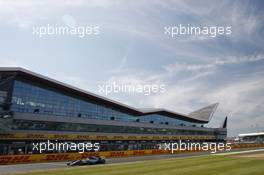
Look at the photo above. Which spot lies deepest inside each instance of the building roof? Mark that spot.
(202, 115)
(205, 113)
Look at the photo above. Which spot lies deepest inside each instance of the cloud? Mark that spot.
(242, 97)
(176, 67)
(28, 12)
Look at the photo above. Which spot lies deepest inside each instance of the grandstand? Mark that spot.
(34, 107)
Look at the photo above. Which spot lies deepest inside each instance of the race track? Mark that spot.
(22, 168)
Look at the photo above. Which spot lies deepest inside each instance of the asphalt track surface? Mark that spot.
(24, 168)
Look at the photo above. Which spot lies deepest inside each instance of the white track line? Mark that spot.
(239, 152)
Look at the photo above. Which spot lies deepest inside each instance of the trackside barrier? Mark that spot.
(35, 158)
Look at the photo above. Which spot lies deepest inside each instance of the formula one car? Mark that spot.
(93, 160)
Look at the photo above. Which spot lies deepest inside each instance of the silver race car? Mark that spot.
(92, 160)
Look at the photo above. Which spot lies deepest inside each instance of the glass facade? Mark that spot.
(164, 120)
(77, 127)
(32, 99)
(28, 98)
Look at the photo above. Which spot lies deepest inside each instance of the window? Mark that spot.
(36, 110)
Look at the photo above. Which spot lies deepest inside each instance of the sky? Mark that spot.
(132, 48)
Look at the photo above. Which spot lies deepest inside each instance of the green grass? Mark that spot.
(207, 165)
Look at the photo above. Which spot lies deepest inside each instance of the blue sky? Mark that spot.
(132, 48)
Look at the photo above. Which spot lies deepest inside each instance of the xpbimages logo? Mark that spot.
(69, 27)
(213, 147)
(210, 31)
(79, 31)
(56, 146)
(145, 89)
